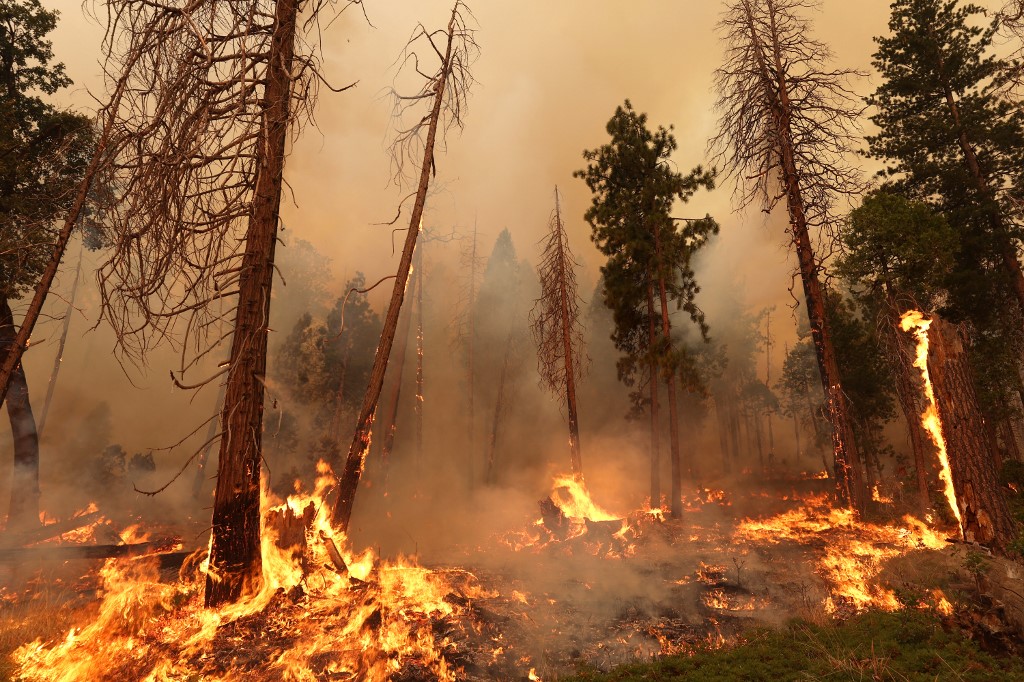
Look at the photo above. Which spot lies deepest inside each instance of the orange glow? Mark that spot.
(914, 320)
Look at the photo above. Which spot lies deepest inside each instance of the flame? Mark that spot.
(914, 320)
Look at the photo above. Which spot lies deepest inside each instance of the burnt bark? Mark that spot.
(235, 557)
(23, 513)
(984, 513)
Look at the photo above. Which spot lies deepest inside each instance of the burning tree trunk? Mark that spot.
(200, 149)
(235, 550)
(23, 512)
(446, 91)
(555, 321)
(956, 424)
(786, 118)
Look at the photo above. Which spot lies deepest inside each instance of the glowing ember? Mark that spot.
(914, 320)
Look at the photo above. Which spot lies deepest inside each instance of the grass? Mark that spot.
(907, 646)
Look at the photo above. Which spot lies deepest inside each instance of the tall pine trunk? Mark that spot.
(23, 512)
(984, 512)
(670, 381)
(655, 427)
(235, 558)
(499, 409)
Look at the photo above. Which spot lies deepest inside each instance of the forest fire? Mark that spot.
(915, 320)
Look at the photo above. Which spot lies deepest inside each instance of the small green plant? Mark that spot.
(977, 564)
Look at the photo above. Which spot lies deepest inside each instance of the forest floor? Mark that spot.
(773, 584)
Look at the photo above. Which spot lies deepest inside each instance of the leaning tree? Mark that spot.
(787, 123)
(444, 93)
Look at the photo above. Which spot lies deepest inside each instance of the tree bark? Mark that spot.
(575, 457)
(235, 557)
(984, 513)
(23, 513)
(847, 465)
(341, 514)
(670, 382)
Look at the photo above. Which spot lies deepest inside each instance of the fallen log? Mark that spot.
(31, 537)
(72, 552)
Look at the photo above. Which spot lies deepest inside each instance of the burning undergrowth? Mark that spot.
(580, 584)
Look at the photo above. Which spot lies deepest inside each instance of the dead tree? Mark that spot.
(213, 90)
(499, 406)
(445, 92)
(787, 121)
(557, 329)
(982, 509)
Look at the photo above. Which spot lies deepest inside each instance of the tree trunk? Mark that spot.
(796, 436)
(984, 513)
(847, 465)
(23, 513)
(575, 458)
(235, 557)
(670, 381)
(341, 514)
(471, 376)
(655, 427)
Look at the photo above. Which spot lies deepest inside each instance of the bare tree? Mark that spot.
(200, 133)
(787, 122)
(558, 330)
(445, 92)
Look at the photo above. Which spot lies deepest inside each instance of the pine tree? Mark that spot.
(649, 258)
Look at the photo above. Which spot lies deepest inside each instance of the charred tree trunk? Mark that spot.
(984, 513)
(341, 514)
(23, 513)
(655, 427)
(60, 347)
(796, 436)
(907, 391)
(235, 557)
